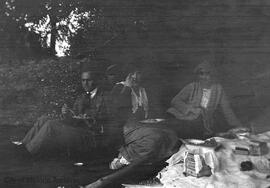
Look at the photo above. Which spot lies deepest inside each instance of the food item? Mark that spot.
(210, 142)
(78, 164)
(241, 151)
(82, 116)
(257, 147)
(194, 165)
(246, 166)
(152, 120)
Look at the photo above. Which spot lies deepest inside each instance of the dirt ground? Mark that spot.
(57, 170)
(20, 170)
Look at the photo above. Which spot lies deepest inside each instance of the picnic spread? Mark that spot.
(242, 160)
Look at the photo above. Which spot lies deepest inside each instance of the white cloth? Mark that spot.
(229, 174)
(139, 101)
(118, 163)
(92, 93)
(208, 155)
(205, 97)
(124, 161)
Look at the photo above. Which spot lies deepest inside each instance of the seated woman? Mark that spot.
(195, 107)
(80, 128)
(140, 141)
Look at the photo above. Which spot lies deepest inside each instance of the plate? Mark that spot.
(81, 117)
(18, 143)
(140, 186)
(78, 164)
(152, 120)
(195, 141)
(210, 143)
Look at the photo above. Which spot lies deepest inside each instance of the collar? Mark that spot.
(92, 93)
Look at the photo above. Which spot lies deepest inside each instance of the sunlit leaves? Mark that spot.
(63, 20)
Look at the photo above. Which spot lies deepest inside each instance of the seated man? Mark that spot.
(194, 108)
(112, 74)
(80, 128)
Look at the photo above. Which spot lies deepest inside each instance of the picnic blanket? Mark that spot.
(228, 173)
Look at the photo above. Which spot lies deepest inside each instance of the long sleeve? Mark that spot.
(179, 102)
(121, 101)
(104, 111)
(77, 106)
(228, 112)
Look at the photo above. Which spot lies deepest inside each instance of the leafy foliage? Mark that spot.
(51, 19)
(59, 83)
(96, 22)
(33, 88)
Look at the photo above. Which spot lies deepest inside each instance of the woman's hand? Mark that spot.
(129, 81)
(193, 110)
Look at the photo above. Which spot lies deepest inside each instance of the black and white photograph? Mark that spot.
(134, 94)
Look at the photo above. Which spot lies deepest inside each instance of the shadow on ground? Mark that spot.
(20, 170)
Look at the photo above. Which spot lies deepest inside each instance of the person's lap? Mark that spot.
(59, 134)
(145, 140)
(186, 129)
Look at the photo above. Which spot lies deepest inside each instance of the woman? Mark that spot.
(195, 107)
(140, 140)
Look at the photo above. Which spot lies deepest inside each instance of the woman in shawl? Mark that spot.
(195, 107)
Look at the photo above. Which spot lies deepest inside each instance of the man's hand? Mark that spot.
(64, 109)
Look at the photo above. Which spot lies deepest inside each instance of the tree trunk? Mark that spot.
(53, 35)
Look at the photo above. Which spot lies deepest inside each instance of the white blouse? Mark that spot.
(205, 98)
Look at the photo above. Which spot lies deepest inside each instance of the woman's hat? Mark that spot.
(204, 66)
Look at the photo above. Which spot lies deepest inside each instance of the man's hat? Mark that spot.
(93, 66)
(112, 69)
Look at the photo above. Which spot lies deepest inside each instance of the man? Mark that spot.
(113, 74)
(80, 128)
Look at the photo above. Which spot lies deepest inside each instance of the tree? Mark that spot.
(98, 22)
(53, 14)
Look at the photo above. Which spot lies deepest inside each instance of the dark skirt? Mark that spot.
(187, 129)
(141, 140)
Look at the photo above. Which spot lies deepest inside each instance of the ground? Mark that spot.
(24, 171)
(51, 171)
(29, 89)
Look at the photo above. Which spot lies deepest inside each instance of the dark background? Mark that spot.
(167, 39)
